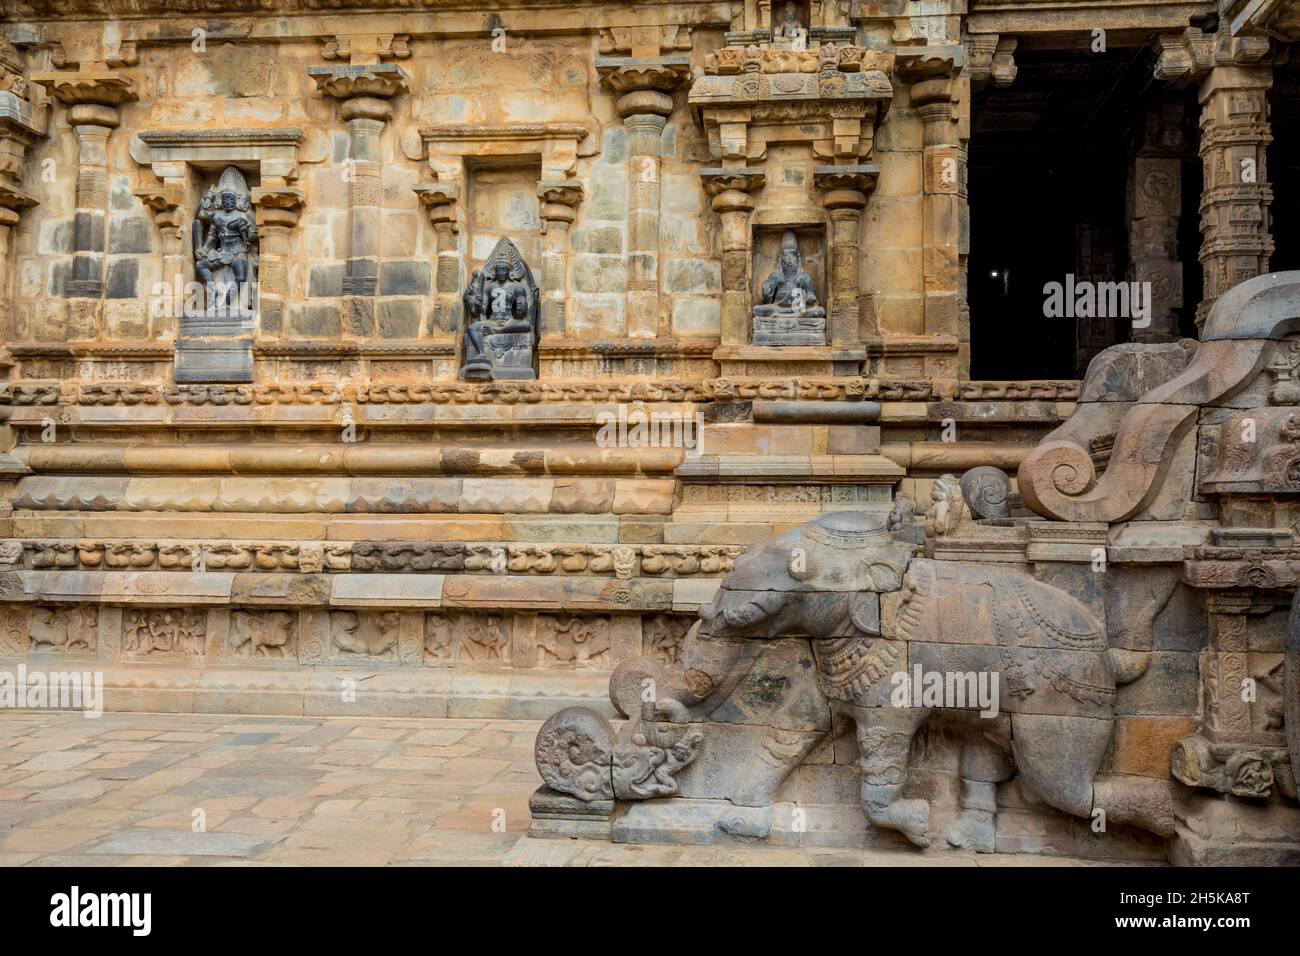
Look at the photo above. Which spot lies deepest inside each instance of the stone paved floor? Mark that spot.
(124, 789)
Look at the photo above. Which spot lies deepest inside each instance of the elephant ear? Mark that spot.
(864, 612)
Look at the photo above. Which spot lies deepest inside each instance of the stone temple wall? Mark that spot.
(365, 489)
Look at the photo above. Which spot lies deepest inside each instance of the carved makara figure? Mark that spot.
(789, 313)
(501, 305)
(225, 244)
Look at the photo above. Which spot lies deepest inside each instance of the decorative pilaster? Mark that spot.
(164, 198)
(932, 78)
(439, 199)
(21, 124)
(364, 92)
(1155, 203)
(559, 201)
(92, 98)
(1236, 242)
(845, 190)
(1240, 747)
(644, 86)
(730, 189)
(278, 209)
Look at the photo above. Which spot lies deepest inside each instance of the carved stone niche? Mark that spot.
(789, 285)
(458, 154)
(224, 202)
(793, 133)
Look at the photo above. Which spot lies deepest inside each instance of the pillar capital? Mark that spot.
(720, 179)
(845, 186)
(370, 81)
(73, 88)
(628, 74)
(559, 200)
(439, 200)
(278, 205)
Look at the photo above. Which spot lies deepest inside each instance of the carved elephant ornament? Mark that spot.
(1021, 671)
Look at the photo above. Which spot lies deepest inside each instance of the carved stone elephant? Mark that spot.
(887, 628)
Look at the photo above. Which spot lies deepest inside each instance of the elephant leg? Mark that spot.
(982, 765)
(1058, 757)
(884, 742)
(779, 752)
(1141, 801)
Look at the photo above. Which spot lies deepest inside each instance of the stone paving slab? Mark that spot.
(221, 790)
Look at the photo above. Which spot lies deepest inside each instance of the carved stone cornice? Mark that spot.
(644, 40)
(76, 88)
(287, 136)
(357, 48)
(990, 57)
(380, 80)
(1191, 54)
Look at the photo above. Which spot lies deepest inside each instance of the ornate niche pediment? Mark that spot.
(833, 94)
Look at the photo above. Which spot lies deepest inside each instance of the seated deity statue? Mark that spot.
(501, 304)
(789, 313)
(788, 32)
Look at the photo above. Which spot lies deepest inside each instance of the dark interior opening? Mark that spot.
(1049, 163)
(1284, 167)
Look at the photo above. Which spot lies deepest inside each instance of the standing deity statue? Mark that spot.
(225, 243)
(501, 304)
(789, 313)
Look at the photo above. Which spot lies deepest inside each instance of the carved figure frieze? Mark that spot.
(65, 629)
(29, 393)
(262, 635)
(573, 641)
(164, 632)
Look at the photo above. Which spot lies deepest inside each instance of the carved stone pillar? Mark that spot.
(845, 194)
(365, 92)
(21, 124)
(559, 202)
(730, 189)
(1155, 203)
(278, 208)
(1235, 237)
(645, 86)
(440, 201)
(943, 194)
(92, 98)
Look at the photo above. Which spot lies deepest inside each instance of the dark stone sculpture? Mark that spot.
(501, 306)
(215, 340)
(789, 313)
(225, 245)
